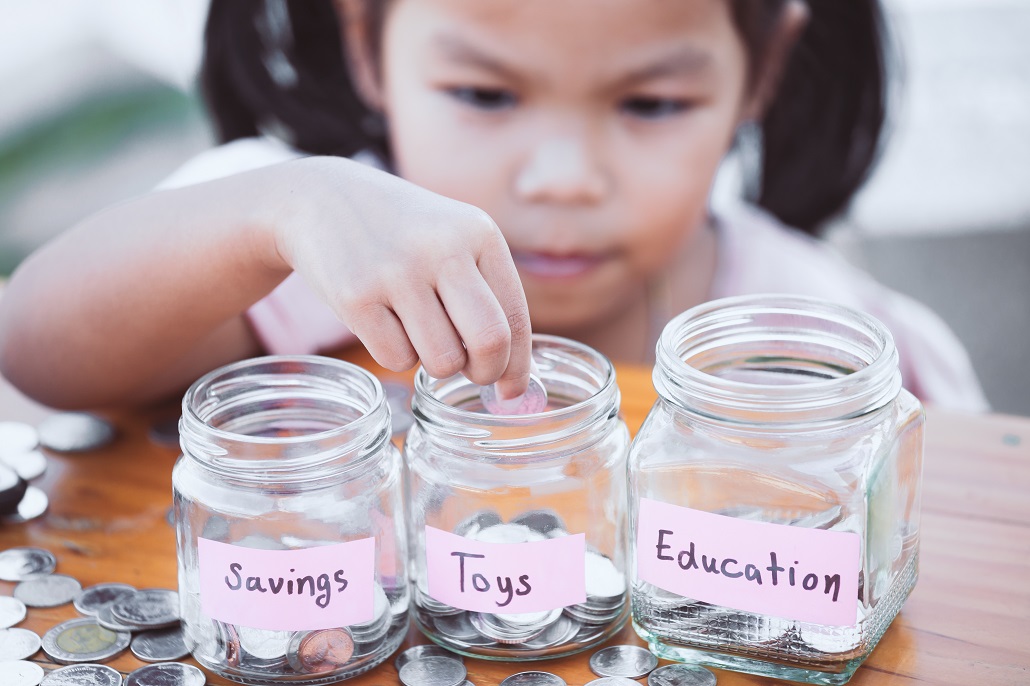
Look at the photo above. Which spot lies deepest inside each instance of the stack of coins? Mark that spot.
(535, 633)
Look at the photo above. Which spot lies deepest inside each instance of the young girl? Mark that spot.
(425, 174)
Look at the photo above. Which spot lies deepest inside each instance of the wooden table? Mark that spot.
(967, 622)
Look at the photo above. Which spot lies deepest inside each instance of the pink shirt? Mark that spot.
(757, 254)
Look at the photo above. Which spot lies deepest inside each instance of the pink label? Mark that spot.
(506, 578)
(288, 590)
(808, 575)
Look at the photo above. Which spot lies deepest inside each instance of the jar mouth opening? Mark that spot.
(579, 380)
(777, 356)
(281, 401)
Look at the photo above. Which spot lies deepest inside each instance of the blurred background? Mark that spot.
(99, 105)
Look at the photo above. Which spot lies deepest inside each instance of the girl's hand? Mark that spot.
(415, 275)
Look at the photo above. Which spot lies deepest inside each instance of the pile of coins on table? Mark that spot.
(22, 460)
(112, 613)
(531, 633)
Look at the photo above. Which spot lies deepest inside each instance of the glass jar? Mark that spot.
(775, 489)
(289, 522)
(518, 522)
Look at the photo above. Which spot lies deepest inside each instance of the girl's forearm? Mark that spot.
(135, 301)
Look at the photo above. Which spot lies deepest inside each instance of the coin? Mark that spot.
(18, 644)
(162, 645)
(77, 675)
(534, 679)
(83, 640)
(48, 591)
(74, 432)
(17, 437)
(533, 401)
(264, 644)
(20, 673)
(324, 650)
(544, 521)
(433, 670)
(604, 581)
(628, 661)
(152, 608)
(12, 489)
(95, 598)
(106, 619)
(33, 504)
(12, 611)
(165, 432)
(398, 397)
(28, 465)
(166, 674)
(613, 681)
(19, 564)
(425, 650)
(681, 675)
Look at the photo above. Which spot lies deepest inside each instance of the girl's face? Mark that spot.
(590, 130)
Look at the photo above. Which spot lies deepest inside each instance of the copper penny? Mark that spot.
(319, 651)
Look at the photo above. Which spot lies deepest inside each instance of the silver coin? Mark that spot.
(534, 679)
(12, 611)
(166, 674)
(604, 581)
(19, 564)
(28, 465)
(474, 523)
(165, 432)
(48, 591)
(456, 627)
(77, 675)
(83, 640)
(544, 521)
(398, 397)
(533, 401)
(155, 608)
(74, 432)
(433, 670)
(628, 661)
(425, 650)
(33, 504)
(613, 681)
(264, 644)
(18, 644)
(163, 645)
(561, 632)
(681, 675)
(16, 438)
(20, 673)
(106, 619)
(95, 598)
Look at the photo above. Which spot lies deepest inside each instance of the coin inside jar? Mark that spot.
(533, 401)
(324, 650)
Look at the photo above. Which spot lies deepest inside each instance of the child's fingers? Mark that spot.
(500, 274)
(379, 329)
(478, 318)
(430, 331)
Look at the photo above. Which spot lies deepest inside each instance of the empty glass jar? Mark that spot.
(518, 521)
(775, 489)
(289, 520)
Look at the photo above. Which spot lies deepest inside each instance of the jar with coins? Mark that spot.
(774, 489)
(517, 509)
(290, 522)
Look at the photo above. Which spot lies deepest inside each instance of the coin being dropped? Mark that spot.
(425, 650)
(83, 640)
(20, 673)
(48, 591)
(33, 504)
(166, 674)
(18, 644)
(533, 401)
(628, 661)
(534, 679)
(75, 432)
(433, 671)
(163, 645)
(95, 598)
(681, 675)
(27, 465)
(12, 611)
(17, 437)
(314, 652)
(19, 564)
(77, 675)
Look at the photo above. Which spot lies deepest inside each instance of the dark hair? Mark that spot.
(278, 67)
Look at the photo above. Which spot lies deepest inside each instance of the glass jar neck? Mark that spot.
(777, 359)
(582, 408)
(284, 419)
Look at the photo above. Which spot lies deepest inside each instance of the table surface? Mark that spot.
(967, 621)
